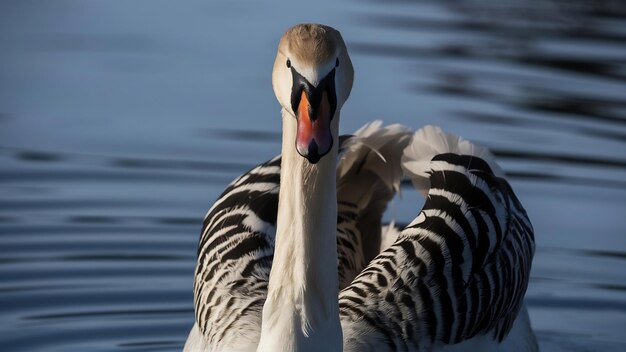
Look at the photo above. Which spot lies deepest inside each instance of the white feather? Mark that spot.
(369, 175)
(375, 149)
(430, 141)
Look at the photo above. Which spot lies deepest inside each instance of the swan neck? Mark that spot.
(301, 312)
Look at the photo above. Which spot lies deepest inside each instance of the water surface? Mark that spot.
(121, 121)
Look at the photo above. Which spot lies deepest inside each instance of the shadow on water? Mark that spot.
(99, 219)
(492, 119)
(29, 155)
(253, 136)
(552, 103)
(119, 313)
(95, 43)
(129, 163)
(606, 69)
(94, 168)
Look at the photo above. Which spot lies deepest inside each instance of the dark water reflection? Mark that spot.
(118, 129)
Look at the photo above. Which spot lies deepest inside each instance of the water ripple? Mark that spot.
(100, 217)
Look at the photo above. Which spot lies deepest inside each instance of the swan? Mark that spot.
(293, 257)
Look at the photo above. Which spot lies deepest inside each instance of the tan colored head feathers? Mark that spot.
(311, 44)
(311, 52)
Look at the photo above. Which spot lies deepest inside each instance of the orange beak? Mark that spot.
(314, 138)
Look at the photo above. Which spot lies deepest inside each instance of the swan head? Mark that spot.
(312, 79)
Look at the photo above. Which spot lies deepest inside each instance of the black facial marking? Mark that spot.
(314, 94)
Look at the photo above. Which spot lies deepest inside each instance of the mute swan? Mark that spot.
(280, 242)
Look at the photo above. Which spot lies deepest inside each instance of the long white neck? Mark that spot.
(301, 312)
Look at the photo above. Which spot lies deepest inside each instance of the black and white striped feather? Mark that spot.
(237, 242)
(458, 271)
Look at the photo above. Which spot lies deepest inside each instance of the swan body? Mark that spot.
(293, 255)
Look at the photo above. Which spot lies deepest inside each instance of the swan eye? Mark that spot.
(288, 63)
(337, 63)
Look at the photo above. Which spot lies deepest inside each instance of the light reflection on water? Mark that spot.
(121, 121)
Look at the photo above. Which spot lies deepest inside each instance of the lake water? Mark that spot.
(121, 121)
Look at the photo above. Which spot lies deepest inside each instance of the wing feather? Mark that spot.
(236, 246)
(459, 270)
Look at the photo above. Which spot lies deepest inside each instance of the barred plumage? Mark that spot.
(237, 241)
(458, 271)
(350, 259)
(235, 257)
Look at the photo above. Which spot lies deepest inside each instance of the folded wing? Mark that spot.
(459, 270)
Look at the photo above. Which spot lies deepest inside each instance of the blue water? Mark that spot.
(122, 120)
